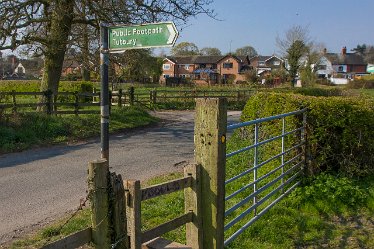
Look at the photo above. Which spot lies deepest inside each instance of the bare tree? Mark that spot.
(295, 45)
(185, 49)
(48, 25)
(246, 50)
(210, 51)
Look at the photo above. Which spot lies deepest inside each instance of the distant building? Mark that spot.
(205, 69)
(341, 66)
(265, 64)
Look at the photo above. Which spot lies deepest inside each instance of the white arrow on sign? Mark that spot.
(172, 32)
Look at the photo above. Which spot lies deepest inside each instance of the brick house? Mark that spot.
(205, 69)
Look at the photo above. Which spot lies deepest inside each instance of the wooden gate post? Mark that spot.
(98, 174)
(210, 152)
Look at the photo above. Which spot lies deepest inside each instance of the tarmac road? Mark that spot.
(41, 185)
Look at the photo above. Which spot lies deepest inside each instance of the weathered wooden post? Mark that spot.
(76, 103)
(118, 212)
(120, 97)
(98, 172)
(192, 203)
(133, 213)
(49, 97)
(14, 101)
(210, 152)
(132, 95)
(55, 104)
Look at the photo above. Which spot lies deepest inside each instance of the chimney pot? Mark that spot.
(344, 50)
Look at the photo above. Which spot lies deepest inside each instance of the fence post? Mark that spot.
(98, 186)
(133, 213)
(14, 109)
(192, 203)
(132, 96)
(120, 97)
(76, 103)
(210, 152)
(118, 212)
(55, 104)
(48, 94)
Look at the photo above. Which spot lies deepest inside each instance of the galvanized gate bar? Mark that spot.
(263, 177)
(261, 120)
(263, 163)
(265, 198)
(262, 142)
(259, 191)
(241, 230)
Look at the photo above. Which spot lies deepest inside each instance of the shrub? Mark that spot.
(361, 84)
(319, 92)
(340, 130)
(332, 189)
(34, 86)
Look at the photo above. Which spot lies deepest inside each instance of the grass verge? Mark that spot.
(22, 131)
(326, 212)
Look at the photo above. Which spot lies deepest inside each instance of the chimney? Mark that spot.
(344, 50)
(324, 51)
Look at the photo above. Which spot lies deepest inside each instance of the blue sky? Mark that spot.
(335, 23)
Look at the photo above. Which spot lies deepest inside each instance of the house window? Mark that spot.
(166, 66)
(202, 65)
(166, 76)
(261, 63)
(321, 67)
(340, 69)
(276, 63)
(227, 65)
(187, 67)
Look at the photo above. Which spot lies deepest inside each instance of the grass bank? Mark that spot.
(23, 131)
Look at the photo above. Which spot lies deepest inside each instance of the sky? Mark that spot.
(334, 23)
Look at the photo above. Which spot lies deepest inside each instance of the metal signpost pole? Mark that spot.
(119, 39)
(104, 92)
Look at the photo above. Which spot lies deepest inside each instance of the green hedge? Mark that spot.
(340, 130)
(34, 86)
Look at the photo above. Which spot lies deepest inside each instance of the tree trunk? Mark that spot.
(85, 52)
(62, 17)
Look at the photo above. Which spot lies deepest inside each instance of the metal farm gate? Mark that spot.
(267, 169)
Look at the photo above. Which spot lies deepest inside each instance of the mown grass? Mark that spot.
(22, 131)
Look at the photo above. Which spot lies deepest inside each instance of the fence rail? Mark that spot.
(276, 181)
(135, 195)
(77, 102)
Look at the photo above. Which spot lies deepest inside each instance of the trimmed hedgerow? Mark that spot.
(340, 130)
(34, 86)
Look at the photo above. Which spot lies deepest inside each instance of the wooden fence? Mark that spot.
(61, 103)
(88, 103)
(116, 204)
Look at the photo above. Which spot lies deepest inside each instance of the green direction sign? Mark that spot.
(142, 36)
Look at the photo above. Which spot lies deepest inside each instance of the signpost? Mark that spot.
(119, 39)
(142, 36)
